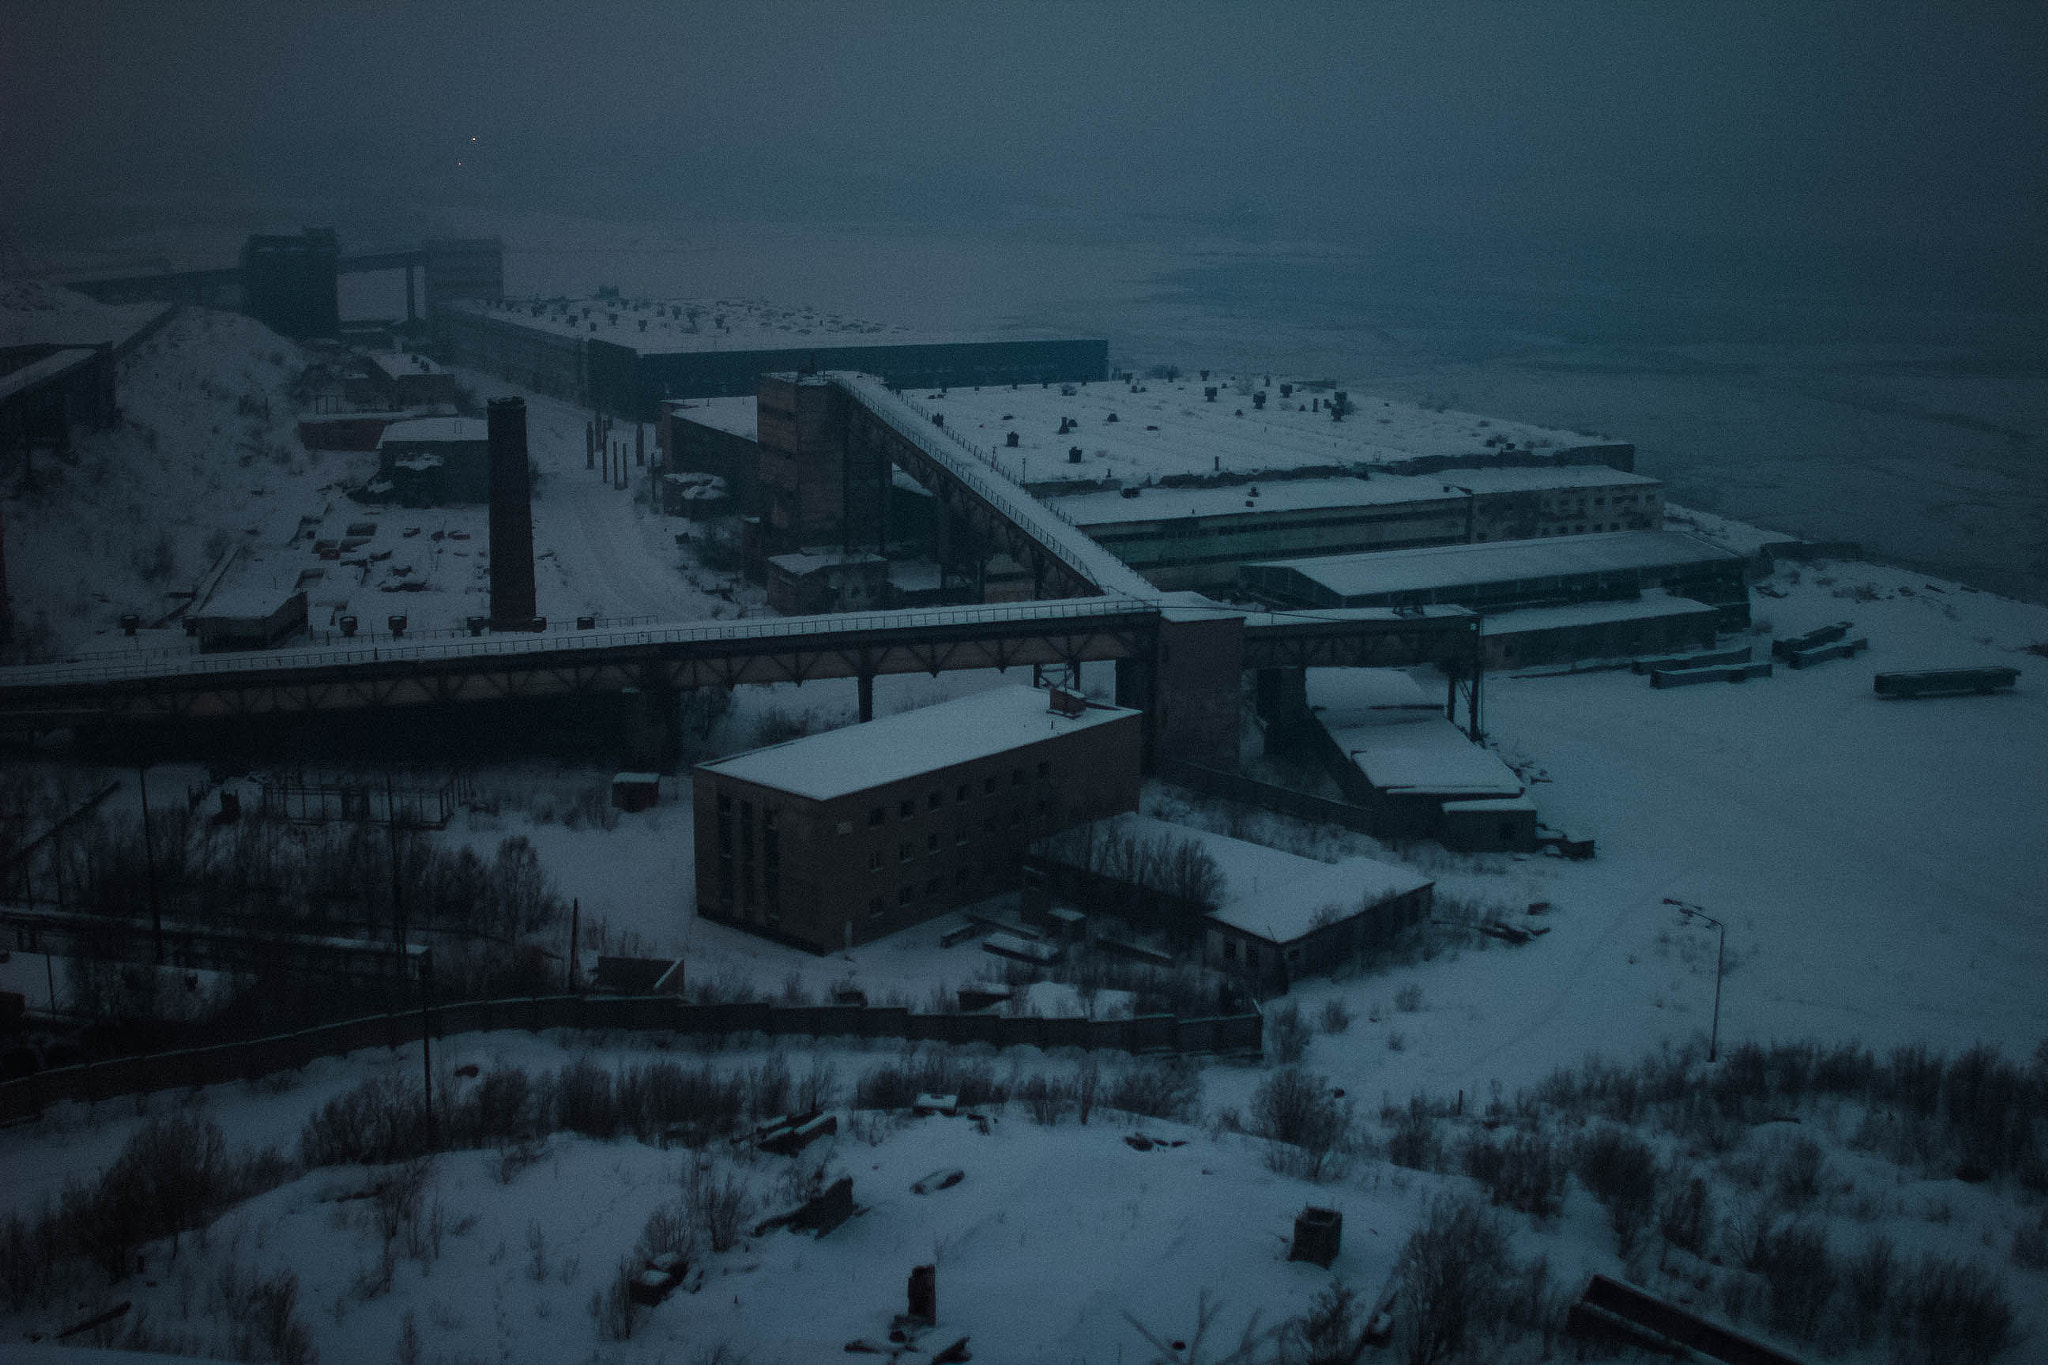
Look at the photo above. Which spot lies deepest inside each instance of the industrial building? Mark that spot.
(1273, 917)
(1616, 566)
(1390, 749)
(1197, 537)
(625, 357)
(847, 836)
(429, 461)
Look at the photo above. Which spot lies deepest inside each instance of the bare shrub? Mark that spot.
(1408, 999)
(1308, 1128)
(1048, 1101)
(1802, 1277)
(1685, 1215)
(667, 1231)
(1171, 1089)
(499, 1106)
(1526, 1172)
(375, 1123)
(1621, 1172)
(1331, 1332)
(612, 1306)
(1414, 1142)
(1800, 1175)
(1287, 1036)
(717, 1205)
(580, 1099)
(1448, 1280)
(1868, 1279)
(1953, 1311)
(1087, 1088)
(1335, 1016)
(262, 1316)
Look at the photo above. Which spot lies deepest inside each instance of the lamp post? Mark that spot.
(1720, 958)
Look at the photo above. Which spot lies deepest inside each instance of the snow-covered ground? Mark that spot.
(205, 486)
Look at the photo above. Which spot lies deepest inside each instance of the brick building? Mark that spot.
(844, 837)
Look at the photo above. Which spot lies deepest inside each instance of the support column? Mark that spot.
(867, 696)
(411, 309)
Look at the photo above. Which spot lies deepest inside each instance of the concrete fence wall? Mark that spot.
(92, 1082)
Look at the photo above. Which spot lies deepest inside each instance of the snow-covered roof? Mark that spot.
(1368, 696)
(1649, 607)
(1111, 507)
(395, 364)
(1271, 893)
(436, 429)
(803, 562)
(749, 325)
(1425, 757)
(735, 416)
(35, 313)
(1451, 566)
(1167, 428)
(874, 754)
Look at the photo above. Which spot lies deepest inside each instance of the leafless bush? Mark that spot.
(1621, 1172)
(1047, 1100)
(1307, 1127)
(1171, 1089)
(1335, 1016)
(580, 1099)
(1685, 1214)
(1287, 1036)
(768, 1088)
(1525, 1172)
(667, 1231)
(1449, 1280)
(896, 1085)
(262, 1316)
(1802, 1278)
(1800, 1174)
(716, 1204)
(1408, 999)
(1868, 1279)
(1953, 1311)
(1087, 1088)
(1414, 1142)
(612, 1306)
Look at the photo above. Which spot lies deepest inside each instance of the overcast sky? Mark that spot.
(1573, 118)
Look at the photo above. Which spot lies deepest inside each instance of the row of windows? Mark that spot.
(936, 798)
(913, 892)
(933, 842)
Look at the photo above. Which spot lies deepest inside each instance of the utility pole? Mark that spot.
(1720, 960)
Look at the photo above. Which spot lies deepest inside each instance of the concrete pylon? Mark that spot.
(512, 591)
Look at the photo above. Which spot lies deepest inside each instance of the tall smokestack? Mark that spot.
(512, 604)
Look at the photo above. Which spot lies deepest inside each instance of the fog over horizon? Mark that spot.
(1792, 250)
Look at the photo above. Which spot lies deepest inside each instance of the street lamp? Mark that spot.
(1720, 958)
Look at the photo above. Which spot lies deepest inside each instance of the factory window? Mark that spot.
(874, 906)
(906, 895)
(988, 826)
(877, 816)
(903, 853)
(875, 861)
(931, 842)
(906, 810)
(934, 886)
(960, 837)
(960, 794)
(960, 878)
(1016, 777)
(935, 800)
(1016, 818)
(725, 800)
(988, 784)
(846, 826)
(1230, 950)
(1044, 768)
